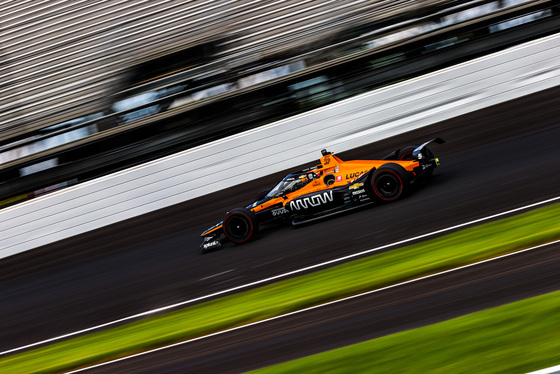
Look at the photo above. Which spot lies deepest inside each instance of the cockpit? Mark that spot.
(289, 184)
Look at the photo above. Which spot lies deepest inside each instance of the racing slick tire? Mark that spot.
(388, 183)
(240, 225)
(406, 153)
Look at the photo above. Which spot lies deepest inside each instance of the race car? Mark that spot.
(329, 188)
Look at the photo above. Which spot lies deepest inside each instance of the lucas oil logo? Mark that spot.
(311, 201)
(355, 174)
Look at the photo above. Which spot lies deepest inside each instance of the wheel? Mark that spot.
(240, 225)
(388, 183)
(406, 153)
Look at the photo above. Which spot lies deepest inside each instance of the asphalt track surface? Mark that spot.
(494, 160)
(359, 319)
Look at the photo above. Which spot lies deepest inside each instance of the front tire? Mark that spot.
(240, 225)
(388, 183)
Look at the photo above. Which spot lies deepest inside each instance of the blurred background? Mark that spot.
(90, 88)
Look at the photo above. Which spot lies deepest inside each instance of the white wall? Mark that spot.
(364, 119)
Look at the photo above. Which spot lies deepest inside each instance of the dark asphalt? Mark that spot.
(494, 160)
(359, 319)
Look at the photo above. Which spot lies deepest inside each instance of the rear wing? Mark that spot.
(422, 153)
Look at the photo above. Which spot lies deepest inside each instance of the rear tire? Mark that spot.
(240, 225)
(388, 183)
(406, 153)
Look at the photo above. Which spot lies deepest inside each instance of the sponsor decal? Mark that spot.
(359, 192)
(311, 201)
(355, 186)
(211, 244)
(279, 211)
(339, 178)
(316, 183)
(327, 160)
(355, 174)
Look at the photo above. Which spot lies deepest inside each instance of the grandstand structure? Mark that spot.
(81, 78)
(65, 59)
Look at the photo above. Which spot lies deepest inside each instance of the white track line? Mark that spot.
(316, 307)
(276, 277)
(550, 370)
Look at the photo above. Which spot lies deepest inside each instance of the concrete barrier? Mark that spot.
(347, 124)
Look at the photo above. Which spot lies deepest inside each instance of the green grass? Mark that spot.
(514, 338)
(450, 251)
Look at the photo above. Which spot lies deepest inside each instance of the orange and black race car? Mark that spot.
(329, 188)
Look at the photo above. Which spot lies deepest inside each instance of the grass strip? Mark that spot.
(447, 252)
(515, 338)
